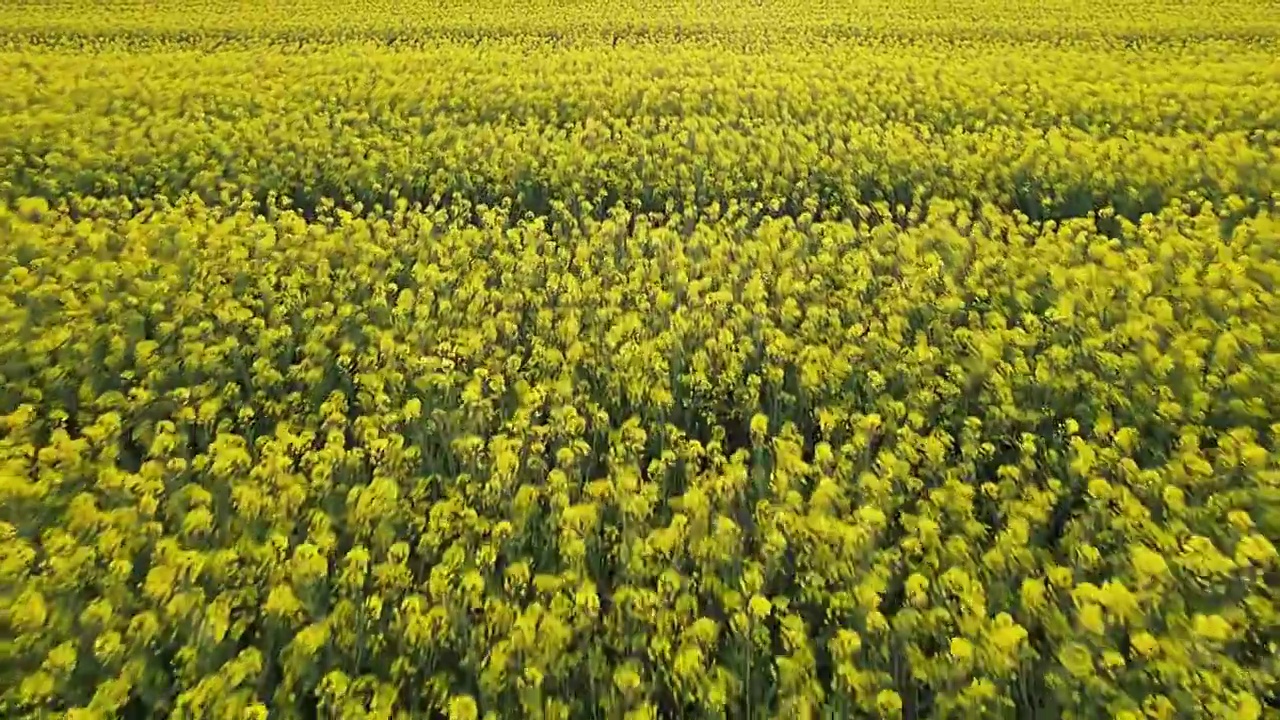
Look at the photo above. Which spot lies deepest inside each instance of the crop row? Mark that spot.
(177, 23)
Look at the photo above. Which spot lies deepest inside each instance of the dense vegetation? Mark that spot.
(708, 358)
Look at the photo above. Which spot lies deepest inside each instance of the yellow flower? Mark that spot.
(1146, 563)
(1212, 627)
(1033, 594)
(413, 409)
(876, 622)
(30, 613)
(1059, 577)
(1091, 619)
(1119, 601)
(759, 606)
(1006, 636)
(1076, 659)
(845, 644)
(1144, 643)
(916, 586)
(463, 707)
(889, 703)
(626, 679)
(759, 427)
(1255, 550)
(1248, 707)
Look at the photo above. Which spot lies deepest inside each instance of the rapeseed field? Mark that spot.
(631, 359)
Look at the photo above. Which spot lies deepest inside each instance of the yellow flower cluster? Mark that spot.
(706, 358)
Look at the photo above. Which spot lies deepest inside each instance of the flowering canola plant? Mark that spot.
(706, 358)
